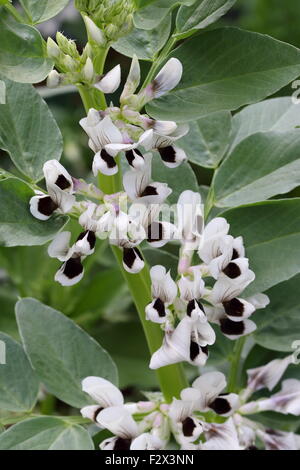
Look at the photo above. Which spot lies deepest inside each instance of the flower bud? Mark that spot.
(67, 46)
(94, 32)
(88, 70)
(53, 79)
(69, 63)
(53, 50)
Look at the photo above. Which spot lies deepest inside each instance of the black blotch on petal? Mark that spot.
(155, 232)
(108, 159)
(46, 206)
(188, 426)
(130, 255)
(234, 307)
(149, 191)
(159, 306)
(194, 350)
(235, 254)
(97, 411)
(229, 327)
(73, 267)
(204, 349)
(130, 156)
(91, 237)
(168, 154)
(62, 182)
(232, 270)
(252, 448)
(220, 406)
(192, 305)
(122, 444)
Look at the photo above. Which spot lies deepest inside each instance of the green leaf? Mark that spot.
(28, 131)
(277, 114)
(18, 382)
(271, 232)
(179, 179)
(22, 52)
(8, 299)
(61, 353)
(152, 13)
(46, 433)
(17, 225)
(200, 15)
(273, 420)
(42, 10)
(278, 325)
(261, 166)
(145, 43)
(207, 140)
(2, 92)
(217, 76)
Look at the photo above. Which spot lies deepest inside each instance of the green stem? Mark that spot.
(235, 365)
(14, 12)
(171, 378)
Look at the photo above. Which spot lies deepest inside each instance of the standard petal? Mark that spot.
(132, 260)
(56, 174)
(111, 81)
(60, 246)
(234, 329)
(102, 391)
(210, 385)
(42, 207)
(70, 272)
(91, 412)
(167, 78)
(225, 404)
(104, 163)
(269, 375)
(85, 243)
(238, 309)
(172, 156)
(119, 421)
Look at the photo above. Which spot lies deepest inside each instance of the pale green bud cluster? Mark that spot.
(73, 67)
(113, 17)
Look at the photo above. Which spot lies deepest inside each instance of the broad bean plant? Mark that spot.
(177, 250)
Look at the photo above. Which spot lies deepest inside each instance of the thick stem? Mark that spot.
(171, 378)
(235, 365)
(15, 13)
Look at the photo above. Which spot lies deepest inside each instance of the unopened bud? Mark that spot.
(53, 50)
(94, 32)
(53, 79)
(88, 70)
(67, 46)
(69, 63)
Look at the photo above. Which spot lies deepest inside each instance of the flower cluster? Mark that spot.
(204, 418)
(185, 308)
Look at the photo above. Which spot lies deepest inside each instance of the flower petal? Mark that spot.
(119, 421)
(167, 78)
(104, 163)
(132, 260)
(42, 207)
(102, 391)
(111, 81)
(60, 246)
(70, 272)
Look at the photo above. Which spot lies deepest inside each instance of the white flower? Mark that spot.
(134, 157)
(110, 82)
(72, 270)
(278, 440)
(164, 291)
(188, 342)
(95, 33)
(147, 441)
(221, 437)
(133, 79)
(139, 187)
(191, 290)
(286, 401)
(103, 392)
(60, 192)
(118, 420)
(210, 386)
(163, 141)
(269, 375)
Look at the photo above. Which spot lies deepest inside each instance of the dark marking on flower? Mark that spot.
(234, 307)
(235, 254)
(108, 159)
(229, 327)
(252, 448)
(62, 182)
(192, 305)
(122, 444)
(130, 255)
(149, 191)
(73, 267)
(168, 154)
(194, 350)
(232, 270)
(155, 232)
(159, 306)
(188, 426)
(46, 206)
(130, 156)
(220, 406)
(97, 411)
(91, 237)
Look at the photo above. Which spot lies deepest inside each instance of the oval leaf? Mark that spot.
(28, 131)
(42, 10)
(271, 232)
(61, 353)
(201, 14)
(46, 433)
(22, 53)
(260, 167)
(217, 76)
(17, 225)
(18, 382)
(207, 140)
(277, 114)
